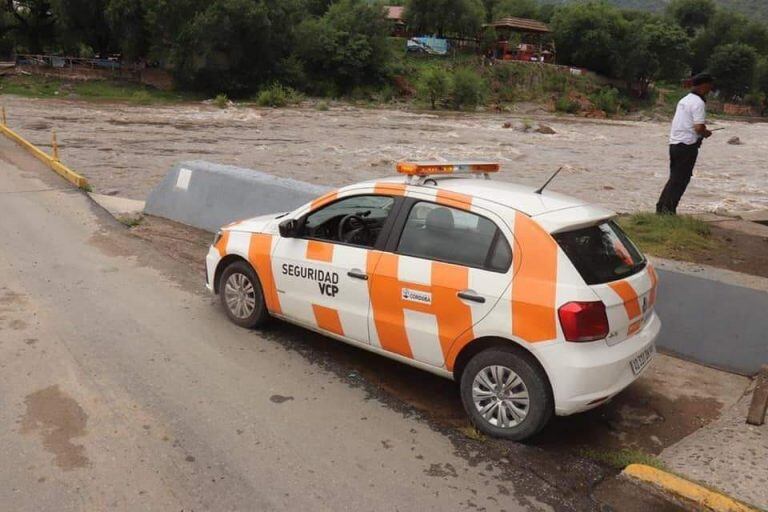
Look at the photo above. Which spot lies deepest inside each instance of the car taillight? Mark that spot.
(583, 321)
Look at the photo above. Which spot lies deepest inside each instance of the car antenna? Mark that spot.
(541, 189)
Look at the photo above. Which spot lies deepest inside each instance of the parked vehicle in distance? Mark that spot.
(535, 303)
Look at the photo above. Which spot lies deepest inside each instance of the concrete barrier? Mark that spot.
(710, 316)
(713, 317)
(208, 196)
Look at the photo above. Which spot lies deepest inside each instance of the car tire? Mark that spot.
(241, 295)
(502, 411)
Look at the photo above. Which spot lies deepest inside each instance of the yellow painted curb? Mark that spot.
(683, 488)
(59, 168)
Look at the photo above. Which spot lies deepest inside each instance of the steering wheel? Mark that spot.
(358, 228)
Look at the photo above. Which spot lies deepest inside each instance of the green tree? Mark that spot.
(434, 85)
(734, 67)
(517, 8)
(654, 48)
(589, 35)
(726, 27)
(127, 20)
(222, 46)
(445, 17)
(348, 45)
(32, 24)
(692, 14)
(6, 37)
(761, 78)
(83, 22)
(468, 89)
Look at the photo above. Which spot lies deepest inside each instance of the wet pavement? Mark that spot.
(126, 149)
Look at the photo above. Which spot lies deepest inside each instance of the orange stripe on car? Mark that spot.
(534, 287)
(221, 245)
(385, 292)
(260, 257)
(454, 317)
(328, 319)
(629, 296)
(454, 199)
(319, 251)
(324, 199)
(391, 189)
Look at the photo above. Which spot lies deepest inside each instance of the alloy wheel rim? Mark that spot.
(240, 295)
(500, 396)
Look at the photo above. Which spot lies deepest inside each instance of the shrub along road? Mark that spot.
(123, 387)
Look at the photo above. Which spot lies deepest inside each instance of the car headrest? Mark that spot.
(439, 218)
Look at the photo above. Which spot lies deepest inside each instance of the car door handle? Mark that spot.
(357, 274)
(472, 296)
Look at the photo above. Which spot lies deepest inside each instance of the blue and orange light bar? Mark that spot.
(429, 168)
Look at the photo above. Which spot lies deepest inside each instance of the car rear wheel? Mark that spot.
(241, 295)
(506, 394)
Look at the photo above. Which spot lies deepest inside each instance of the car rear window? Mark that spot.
(601, 253)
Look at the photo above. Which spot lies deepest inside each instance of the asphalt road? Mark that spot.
(122, 387)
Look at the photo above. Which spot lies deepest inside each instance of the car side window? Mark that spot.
(447, 234)
(355, 220)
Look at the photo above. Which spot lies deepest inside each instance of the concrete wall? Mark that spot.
(714, 317)
(208, 196)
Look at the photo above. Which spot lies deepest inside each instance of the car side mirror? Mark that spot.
(289, 228)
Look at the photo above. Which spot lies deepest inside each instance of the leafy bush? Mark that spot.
(735, 66)
(433, 85)
(555, 82)
(565, 104)
(277, 95)
(468, 89)
(348, 45)
(221, 101)
(141, 98)
(505, 73)
(607, 100)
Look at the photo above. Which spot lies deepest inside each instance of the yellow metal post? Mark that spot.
(55, 146)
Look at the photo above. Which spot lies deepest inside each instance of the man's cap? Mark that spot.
(702, 78)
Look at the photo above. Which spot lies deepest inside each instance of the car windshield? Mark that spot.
(601, 253)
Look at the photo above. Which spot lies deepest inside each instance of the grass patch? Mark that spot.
(130, 221)
(668, 236)
(221, 101)
(35, 86)
(620, 459)
(472, 433)
(278, 95)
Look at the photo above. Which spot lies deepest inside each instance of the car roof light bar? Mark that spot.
(433, 168)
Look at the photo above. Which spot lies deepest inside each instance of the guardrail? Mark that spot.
(51, 161)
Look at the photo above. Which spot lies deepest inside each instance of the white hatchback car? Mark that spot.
(536, 303)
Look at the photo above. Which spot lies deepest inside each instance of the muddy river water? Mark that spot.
(126, 149)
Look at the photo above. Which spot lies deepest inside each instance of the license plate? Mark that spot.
(641, 360)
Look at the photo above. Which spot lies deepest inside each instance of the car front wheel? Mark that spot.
(506, 394)
(241, 295)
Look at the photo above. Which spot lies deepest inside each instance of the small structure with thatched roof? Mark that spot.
(522, 39)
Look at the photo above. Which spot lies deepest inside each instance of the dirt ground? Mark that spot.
(125, 149)
(739, 252)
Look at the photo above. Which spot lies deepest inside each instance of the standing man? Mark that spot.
(689, 129)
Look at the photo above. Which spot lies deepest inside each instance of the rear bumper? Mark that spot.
(585, 375)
